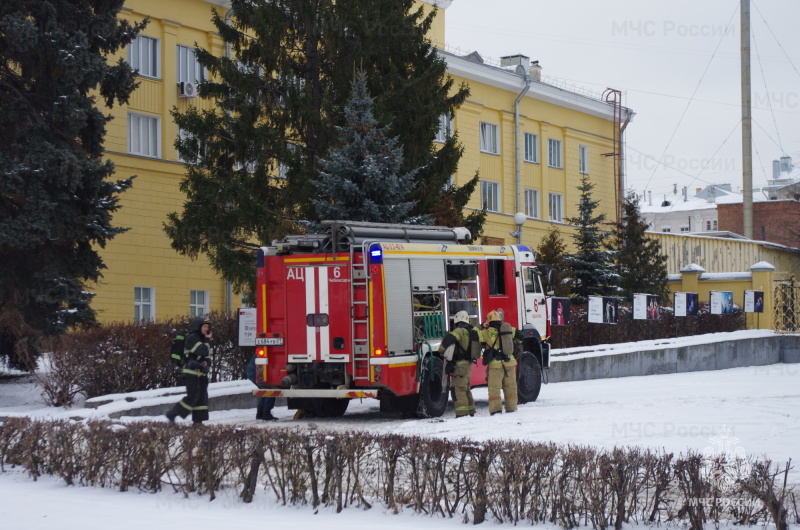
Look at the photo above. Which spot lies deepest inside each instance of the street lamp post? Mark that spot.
(519, 220)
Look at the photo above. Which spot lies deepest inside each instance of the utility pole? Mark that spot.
(747, 126)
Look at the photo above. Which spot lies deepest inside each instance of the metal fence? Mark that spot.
(787, 305)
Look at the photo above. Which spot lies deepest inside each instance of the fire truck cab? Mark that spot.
(361, 310)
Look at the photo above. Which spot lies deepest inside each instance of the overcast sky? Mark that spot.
(677, 63)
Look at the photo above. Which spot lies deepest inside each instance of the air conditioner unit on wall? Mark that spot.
(187, 89)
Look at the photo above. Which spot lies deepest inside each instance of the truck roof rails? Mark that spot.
(342, 235)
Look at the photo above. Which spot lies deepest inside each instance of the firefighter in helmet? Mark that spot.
(195, 373)
(498, 356)
(457, 350)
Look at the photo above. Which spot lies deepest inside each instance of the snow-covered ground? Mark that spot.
(756, 410)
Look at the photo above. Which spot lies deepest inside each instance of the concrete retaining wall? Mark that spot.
(721, 355)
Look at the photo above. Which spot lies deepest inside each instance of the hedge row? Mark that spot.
(504, 481)
(581, 333)
(123, 357)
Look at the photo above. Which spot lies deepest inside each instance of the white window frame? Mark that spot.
(196, 308)
(149, 47)
(144, 135)
(445, 129)
(185, 135)
(490, 195)
(708, 225)
(684, 228)
(139, 304)
(489, 138)
(189, 70)
(715, 224)
(666, 229)
(583, 159)
(531, 148)
(556, 207)
(532, 203)
(554, 153)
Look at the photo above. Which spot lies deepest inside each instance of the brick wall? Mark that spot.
(773, 221)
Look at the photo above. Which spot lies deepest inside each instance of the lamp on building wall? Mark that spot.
(519, 220)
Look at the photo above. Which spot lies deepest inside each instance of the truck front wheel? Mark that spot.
(529, 378)
(433, 391)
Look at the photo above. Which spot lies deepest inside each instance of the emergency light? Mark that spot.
(376, 255)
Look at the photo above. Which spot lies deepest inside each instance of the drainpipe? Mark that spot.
(517, 162)
(622, 156)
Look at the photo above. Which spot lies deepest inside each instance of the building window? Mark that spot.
(531, 148)
(144, 304)
(532, 203)
(489, 138)
(189, 70)
(143, 56)
(666, 229)
(143, 135)
(715, 224)
(708, 225)
(554, 153)
(490, 195)
(198, 148)
(583, 159)
(198, 303)
(445, 129)
(684, 228)
(556, 207)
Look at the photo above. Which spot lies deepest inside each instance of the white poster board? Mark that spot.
(753, 301)
(679, 300)
(721, 302)
(640, 306)
(247, 326)
(595, 309)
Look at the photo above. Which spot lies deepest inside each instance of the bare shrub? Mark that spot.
(506, 481)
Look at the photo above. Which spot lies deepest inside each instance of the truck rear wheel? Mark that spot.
(529, 378)
(433, 392)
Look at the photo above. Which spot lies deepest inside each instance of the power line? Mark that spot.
(689, 103)
(769, 99)
(776, 38)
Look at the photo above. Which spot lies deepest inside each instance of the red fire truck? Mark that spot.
(361, 310)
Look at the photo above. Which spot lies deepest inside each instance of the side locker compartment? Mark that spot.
(400, 332)
(300, 300)
(338, 334)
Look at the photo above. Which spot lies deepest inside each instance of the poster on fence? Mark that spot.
(603, 310)
(247, 326)
(559, 311)
(686, 304)
(646, 306)
(753, 301)
(721, 302)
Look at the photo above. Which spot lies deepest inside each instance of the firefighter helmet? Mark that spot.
(198, 322)
(461, 316)
(493, 316)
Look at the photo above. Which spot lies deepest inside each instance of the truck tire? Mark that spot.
(529, 378)
(433, 395)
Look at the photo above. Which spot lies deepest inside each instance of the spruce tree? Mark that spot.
(359, 180)
(591, 269)
(552, 251)
(640, 264)
(56, 199)
(278, 100)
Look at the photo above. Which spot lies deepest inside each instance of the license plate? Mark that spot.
(271, 341)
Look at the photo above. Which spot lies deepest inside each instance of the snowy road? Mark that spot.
(757, 409)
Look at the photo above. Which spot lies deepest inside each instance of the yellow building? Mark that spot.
(560, 134)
